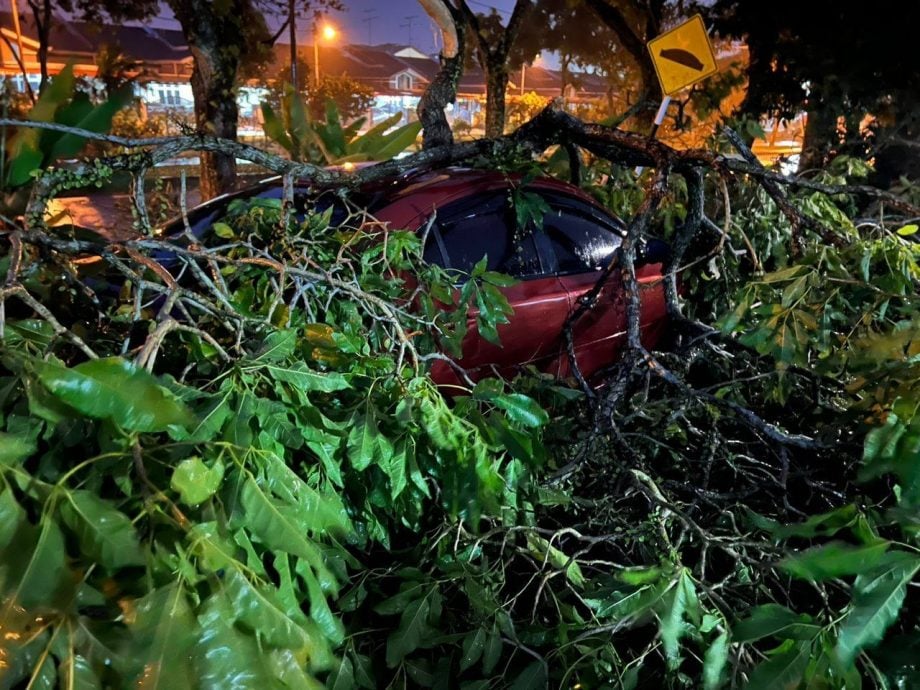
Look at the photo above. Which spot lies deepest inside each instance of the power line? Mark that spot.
(489, 7)
(369, 20)
(408, 25)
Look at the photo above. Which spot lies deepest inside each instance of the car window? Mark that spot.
(581, 241)
(468, 230)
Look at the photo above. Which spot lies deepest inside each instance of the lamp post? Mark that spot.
(328, 32)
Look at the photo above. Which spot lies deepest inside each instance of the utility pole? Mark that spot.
(292, 28)
(408, 25)
(316, 49)
(369, 18)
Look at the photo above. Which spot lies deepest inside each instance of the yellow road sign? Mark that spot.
(683, 56)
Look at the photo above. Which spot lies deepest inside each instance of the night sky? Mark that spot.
(391, 19)
(389, 22)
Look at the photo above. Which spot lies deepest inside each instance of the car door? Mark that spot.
(483, 225)
(584, 240)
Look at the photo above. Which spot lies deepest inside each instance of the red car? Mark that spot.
(555, 264)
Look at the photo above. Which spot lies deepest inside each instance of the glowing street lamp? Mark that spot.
(329, 33)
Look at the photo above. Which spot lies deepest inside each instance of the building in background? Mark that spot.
(398, 74)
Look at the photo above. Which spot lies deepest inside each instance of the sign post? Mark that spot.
(682, 57)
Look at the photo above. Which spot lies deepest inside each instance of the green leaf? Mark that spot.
(683, 602)
(413, 630)
(274, 129)
(773, 620)
(908, 230)
(363, 443)
(397, 141)
(499, 279)
(259, 611)
(473, 644)
(529, 207)
(228, 657)
(96, 119)
(325, 446)
(548, 553)
(877, 599)
(284, 526)
(223, 231)
(77, 673)
(196, 482)
(34, 573)
(14, 449)
(835, 559)
(164, 631)
(492, 651)
(320, 612)
(12, 518)
(115, 389)
(782, 672)
(105, 534)
(532, 678)
(305, 379)
(522, 409)
(824, 524)
(714, 662)
(342, 676)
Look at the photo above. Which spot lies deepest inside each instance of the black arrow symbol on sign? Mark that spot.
(682, 57)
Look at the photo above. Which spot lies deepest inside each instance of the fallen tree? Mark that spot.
(236, 451)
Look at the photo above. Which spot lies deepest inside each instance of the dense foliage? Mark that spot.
(222, 463)
(327, 141)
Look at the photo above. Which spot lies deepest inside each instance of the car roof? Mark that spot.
(446, 179)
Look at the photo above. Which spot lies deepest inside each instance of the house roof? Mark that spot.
(80, 39)
(377, 66)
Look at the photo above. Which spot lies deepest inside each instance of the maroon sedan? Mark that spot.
(555, 263)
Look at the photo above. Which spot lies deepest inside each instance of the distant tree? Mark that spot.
(494, 44)
(572, 30)
(351, 97)
(94, 11)
(839, 61)
(114, 69)
(635, 22)
(219, 35)
(229, 38)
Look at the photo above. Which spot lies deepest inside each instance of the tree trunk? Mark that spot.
(564, 73)
(493, 58)
(443, 88)
(43, 18)
(820, 137)
(496, 85)
(441, 91)
(212, 30)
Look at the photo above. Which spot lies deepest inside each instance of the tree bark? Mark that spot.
(819, 138)
(496, 85)
(493, 58)
(215, 37)
(443, 88)
(43, 18)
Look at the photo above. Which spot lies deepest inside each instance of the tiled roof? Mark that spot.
(377, 66)
(83, 39)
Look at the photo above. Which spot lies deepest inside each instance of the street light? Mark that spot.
(329, 33)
